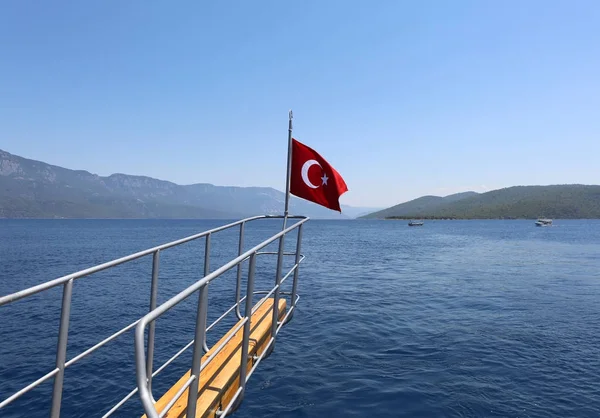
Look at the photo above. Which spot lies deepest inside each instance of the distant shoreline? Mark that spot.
(566, 201)
(311, 218)
(472, 219)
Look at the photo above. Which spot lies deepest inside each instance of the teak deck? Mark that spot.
(220, 379)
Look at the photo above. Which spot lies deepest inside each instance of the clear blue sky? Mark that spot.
(404, 99)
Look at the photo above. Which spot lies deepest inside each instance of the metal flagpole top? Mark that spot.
(289, 169)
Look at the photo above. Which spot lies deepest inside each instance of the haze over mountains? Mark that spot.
(34, 189)
(570, 201)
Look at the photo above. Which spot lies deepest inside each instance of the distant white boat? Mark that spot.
(416, 223)
(543, 222)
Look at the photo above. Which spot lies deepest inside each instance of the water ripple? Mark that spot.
(455, 319)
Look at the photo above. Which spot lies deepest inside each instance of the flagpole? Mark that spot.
(289, 171)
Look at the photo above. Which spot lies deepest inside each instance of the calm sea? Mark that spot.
(453, 319)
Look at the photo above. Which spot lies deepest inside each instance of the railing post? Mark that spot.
(151, 329)
(295, 280)
(207, 256)
(248, 315)
(198, 350)
(276, 294)
(239, 273)
(61, 350)
(206, 273)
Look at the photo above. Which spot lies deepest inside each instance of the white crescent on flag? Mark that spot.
(305, 167)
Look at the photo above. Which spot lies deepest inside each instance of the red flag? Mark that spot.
(312, 178)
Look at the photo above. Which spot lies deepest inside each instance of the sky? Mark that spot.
(402, 98)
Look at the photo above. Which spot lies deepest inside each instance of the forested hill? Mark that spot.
(571, 201)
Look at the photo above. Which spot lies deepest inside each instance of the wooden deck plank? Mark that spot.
(220, 379)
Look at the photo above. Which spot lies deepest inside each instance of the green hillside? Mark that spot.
(424, 204)
(520, 202)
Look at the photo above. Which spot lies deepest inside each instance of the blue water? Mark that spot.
(453, 319)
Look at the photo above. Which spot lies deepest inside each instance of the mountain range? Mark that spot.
(34, 189)
(567, 201)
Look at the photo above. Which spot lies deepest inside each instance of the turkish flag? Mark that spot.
(312, 178)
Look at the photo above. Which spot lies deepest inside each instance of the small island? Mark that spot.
(570, 201)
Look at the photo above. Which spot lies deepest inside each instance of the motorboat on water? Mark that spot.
(416, 223)
(543, 222)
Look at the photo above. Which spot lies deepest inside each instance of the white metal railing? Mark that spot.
(144, 359)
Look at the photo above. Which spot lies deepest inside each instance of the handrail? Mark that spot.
(67, 282)
(184, 294)
(86, 272)
(201, 286)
